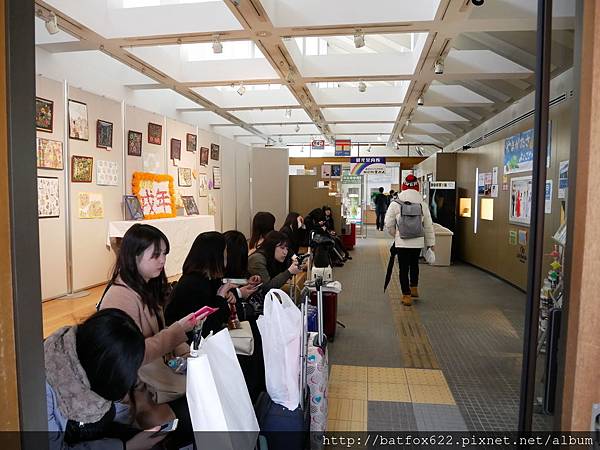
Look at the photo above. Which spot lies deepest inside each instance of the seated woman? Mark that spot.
(89, 367)
(295, 231)
(200, 285)
(268, 262)
(262, 223)
(138, 287)
(323, 255)
(330, 227)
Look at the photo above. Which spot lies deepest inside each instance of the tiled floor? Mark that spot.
(387, 357)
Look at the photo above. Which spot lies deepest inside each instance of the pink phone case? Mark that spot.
(205, 311)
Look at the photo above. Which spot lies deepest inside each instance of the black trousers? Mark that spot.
(380, 219)
(408, 263)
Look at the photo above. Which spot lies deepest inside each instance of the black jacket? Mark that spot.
(192, 292)
(381, 202)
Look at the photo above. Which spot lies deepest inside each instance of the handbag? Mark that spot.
(243, 339)
(163, 384)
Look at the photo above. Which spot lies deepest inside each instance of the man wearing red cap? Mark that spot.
(408, 219)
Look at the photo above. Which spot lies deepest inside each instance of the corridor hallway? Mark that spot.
(451, 362)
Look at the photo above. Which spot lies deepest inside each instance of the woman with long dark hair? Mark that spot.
(200, 284)
(294, 229)
(269, 262)
(330, 227)
(262, 223)
(138, 287)
(90, 367)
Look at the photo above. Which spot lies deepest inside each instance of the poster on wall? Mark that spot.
(107, 173)
(212, 205)
(512, 237)
(78, 121)
(214, 152)
(202, 185)
(191, 209)
(49, 154)
(191, 142)
(520, 200)
(48, 197)
(204, 156)
(485, 184)
(134, 143)
(494, 191)
(336, 171)
(495, 175)
(343, 147)
(522, 237)
(154, 133)
(184, 176)
(91, 205)
(442, 203)
(82, 169)
(44, 114)
(518, 151)
(156, 194)
(216, 178)
(104, 131)
(548, 197)
(326, 171)
(563, 179)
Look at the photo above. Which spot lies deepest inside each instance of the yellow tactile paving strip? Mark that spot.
(352, 387)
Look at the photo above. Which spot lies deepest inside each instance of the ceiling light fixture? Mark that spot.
(52, 23)
(242, 89)
(379, 138)
(297, 129)
(438, 67)
(420, 101)
(477, 2)
(407, 122)
(217, 45)
(288, 113)
(362, 86)
(401, 136)
(359, 39)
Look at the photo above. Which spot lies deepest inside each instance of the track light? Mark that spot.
(420, 101)
(217, 45)
(288, 113)
(280, 140)
(52, 23)
(400, 136)
(362, 86)
(379, 138)
(242, 89)
(359, 39)
(407, 122)
(297, 129)
(438, 68)
(369, 148)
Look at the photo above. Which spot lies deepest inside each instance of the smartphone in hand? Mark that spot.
(167, 427)
(204, 312)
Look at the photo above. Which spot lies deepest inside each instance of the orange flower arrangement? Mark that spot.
(139, 178)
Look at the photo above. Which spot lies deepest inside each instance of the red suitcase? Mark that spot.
(329, 312)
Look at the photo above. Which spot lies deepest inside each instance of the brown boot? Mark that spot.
(406, 300)
(414, 291)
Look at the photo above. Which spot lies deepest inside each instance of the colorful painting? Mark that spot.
(44, 114)
(49, 154)
(104, 131)
(185, 176)
(212, 205)
(82, 169)
(204, 156)
(91, 205)
(214, 152)
(216, 178)
(518, 151)
(191, 209)
(202, 185)
(133, 207)
(78, 121)
(48, 197)
(134, 143)
(156, 194)
(519, 211)
(107, 173)
(175, 148)
(336, 171)
(154, 133)
(191, 141)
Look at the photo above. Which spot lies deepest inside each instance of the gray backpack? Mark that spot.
(410, 220)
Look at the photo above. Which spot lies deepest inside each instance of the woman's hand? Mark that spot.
(145, 440)
(294, 268)
(224, 289)
(230, 298)
(189, 322)
(248, 290)
(254, 279)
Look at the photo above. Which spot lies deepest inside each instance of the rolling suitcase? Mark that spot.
(329, 312)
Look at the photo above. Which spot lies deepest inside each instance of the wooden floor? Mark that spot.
(61, 312)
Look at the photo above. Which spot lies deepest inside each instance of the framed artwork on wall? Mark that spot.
(81, 169)
(214, 152)
(156, 193)
(175, 148)
(204, 156)
(78, 121)
(107, 173)
(134, 143)
(191, 209)
(202, 185)
(44, 114)
(133, 207)
(216, 178)
(519, 208)
(49, 154)
(91, 205)
(191, 141)
(48, 197)
(154, 133)
(104, 131)
(185, 176)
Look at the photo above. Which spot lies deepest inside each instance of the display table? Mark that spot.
(180, 231)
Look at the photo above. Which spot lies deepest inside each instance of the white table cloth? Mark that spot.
(181, 232)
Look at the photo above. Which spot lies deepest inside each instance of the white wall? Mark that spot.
(269, 169)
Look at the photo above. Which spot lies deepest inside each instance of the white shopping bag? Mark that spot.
(429, 256)
(218, 398)
(281, 331)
